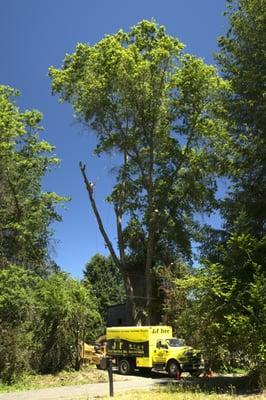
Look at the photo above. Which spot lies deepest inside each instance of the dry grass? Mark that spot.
(166, 395)
(88, 374)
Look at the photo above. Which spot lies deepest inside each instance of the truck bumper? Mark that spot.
(188, 367)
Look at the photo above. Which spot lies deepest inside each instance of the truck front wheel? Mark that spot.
(173, 368)
(125, 367)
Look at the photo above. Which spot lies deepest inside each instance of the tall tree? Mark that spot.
(242, 58)
(158, 110)
(25, 210)
(243, 62)
(229, 291)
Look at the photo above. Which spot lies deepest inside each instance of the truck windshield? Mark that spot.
(175, 342)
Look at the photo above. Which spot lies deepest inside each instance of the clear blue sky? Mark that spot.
(35, 34)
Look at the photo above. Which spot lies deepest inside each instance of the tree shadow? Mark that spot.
(239, 385)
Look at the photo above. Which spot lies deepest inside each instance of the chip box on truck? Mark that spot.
(147, 347)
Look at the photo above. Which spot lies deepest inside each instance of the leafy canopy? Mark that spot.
(158, 110)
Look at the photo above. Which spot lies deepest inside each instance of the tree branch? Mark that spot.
(89, 188)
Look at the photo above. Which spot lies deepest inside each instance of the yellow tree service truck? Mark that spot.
(147, 347)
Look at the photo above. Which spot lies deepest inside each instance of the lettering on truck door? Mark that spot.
(160, 353)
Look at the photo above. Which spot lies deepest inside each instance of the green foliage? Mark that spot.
(174, 300)
(43, 321)
(242, 247)
(16, 299)
(25, 211)
(17, 310)
(43, 315)
(104, 280)
(67, 314)
(226, 314)
(242, 58)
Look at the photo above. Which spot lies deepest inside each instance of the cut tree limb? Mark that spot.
(89, 188)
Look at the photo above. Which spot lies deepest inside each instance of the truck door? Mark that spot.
(160, 353)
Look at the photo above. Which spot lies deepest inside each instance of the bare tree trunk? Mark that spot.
(151, 232)
(148, 280)
(130, 300)
(148, 267)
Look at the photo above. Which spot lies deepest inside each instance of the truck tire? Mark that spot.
(173, 368)
(125, 367)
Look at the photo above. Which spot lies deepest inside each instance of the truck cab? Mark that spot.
(173, 355)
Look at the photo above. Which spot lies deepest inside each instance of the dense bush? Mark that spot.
(42, 321)
(17, 311)
(67, 314)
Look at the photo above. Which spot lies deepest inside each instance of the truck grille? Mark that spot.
(194, 358)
